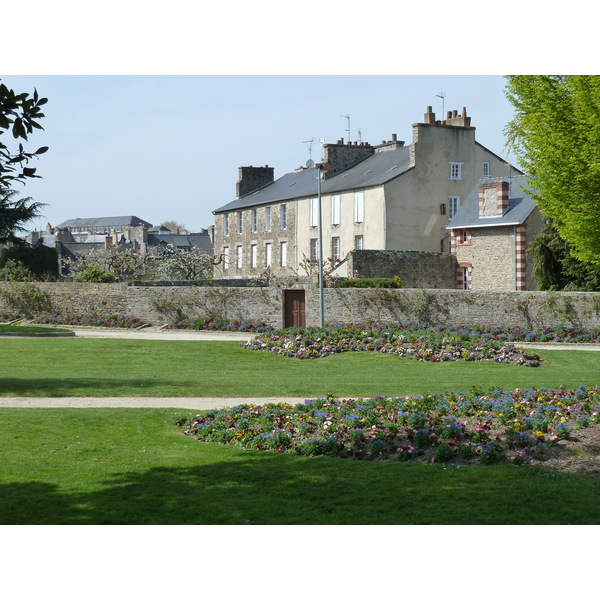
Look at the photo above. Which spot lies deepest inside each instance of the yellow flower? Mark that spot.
(559, 404)
(539, 434)
(500, 414)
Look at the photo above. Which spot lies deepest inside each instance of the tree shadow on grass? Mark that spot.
(272, 488)
(48, 386)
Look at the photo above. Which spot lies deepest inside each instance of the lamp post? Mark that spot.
(321, 168)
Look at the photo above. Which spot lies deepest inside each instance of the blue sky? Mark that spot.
(169, 147)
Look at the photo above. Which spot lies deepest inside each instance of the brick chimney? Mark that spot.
(252, 178)
(493, 198)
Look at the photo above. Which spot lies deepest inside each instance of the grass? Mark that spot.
(125, 466)
(29, 329)
(134, 466)
(101, 367)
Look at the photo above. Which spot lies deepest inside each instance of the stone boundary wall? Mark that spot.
(158, 305)
(415, 268)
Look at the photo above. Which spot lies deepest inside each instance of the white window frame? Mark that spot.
(283, 216)
(456, 171)
(335, 209)
(268, 223)
(225, 257)
(359, 242)
(268, 254)
(359, 207)
(314, 250)
(239, 258)
(453, 206)
(314, 212)
(253, 256)
(485, 170)
(240, 222)
(226, 225)
(336, 252)
(283, 254)
(254, 220)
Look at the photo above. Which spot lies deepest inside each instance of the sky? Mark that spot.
(168, 147)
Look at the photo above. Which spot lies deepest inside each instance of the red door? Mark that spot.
(294, 308)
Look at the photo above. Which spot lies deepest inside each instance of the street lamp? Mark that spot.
(321, 169)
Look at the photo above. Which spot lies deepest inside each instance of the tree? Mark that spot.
(176, 228)
(554, 266)
(19, 115)
(556, 134)
(14, 213)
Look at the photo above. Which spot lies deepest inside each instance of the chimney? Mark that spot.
(252, 178)
(429, 116)
(342, 157)
(493, 198)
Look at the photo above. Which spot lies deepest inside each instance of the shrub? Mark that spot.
(94, 274)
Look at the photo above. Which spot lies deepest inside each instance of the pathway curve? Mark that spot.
(156, 333)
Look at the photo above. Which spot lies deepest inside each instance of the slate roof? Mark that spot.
(520, 205)
(182, 241)
(378, 169)
(107, 222)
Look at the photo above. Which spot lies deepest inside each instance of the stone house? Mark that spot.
(384, 197)
(490, 234)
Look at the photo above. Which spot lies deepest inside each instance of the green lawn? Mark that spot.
(101, 367)
(134, 466)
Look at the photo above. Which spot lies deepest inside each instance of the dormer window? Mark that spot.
(456, 170)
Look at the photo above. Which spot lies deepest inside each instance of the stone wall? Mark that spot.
(415, 269)
(159, 305)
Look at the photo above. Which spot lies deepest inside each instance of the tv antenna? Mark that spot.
(442, 96)
(347, 117)
(359, 136)
(310, 143)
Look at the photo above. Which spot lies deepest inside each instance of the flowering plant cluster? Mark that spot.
(8, 317)
(91, 319)
(214, 323)
(515, 426)
(417, 342)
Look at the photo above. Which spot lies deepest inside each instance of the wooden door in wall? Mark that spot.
(294, 308)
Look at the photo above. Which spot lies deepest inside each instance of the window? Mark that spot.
(358, 242)
(268, 218)
(239, 222)
(253, 256)
(359, 207)
(314, 250)
(465, 236)
(225, 225)
(335, 250)
(455, 170)
(253, 220)
(335, 210)
(283, 254)
(268, 254)
(453, 205)
(465, 278)
(314, 212)
(226, 257)
(485, 172)
(238, 262)
(442, 209)
(283, 216)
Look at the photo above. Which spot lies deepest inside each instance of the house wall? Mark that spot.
(275, 236)
(491, 252)
(158, 305)
(414, 216)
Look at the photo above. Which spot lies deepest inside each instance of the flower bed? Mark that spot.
(90, 320)
(517, 426)
(8, 317)
(416, 342)
(212, 323)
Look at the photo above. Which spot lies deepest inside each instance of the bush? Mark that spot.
(373, 282)
(94, 274)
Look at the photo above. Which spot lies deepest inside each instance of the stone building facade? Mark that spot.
(382, 197)
(490, 235)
